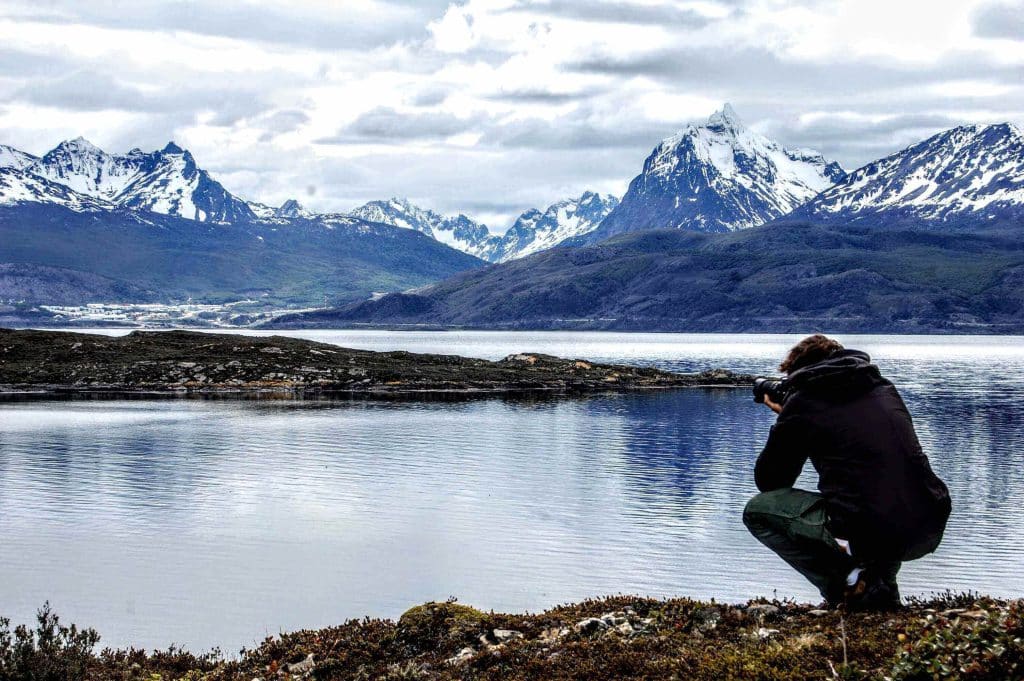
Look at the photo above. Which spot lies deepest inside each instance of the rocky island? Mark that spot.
(183, 362)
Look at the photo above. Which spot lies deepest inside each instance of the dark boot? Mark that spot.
(875, 591)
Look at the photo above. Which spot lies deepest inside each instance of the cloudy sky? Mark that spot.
(490, 107)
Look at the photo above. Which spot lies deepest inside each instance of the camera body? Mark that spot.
(776, 389)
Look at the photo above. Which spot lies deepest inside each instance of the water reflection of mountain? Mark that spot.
(693, 447)
(974, 440)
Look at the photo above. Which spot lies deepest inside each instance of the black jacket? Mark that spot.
(880, 493)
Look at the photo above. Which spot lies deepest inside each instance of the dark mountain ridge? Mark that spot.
(787, 277)
(291, 262)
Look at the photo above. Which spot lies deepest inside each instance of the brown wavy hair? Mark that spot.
(809, 351)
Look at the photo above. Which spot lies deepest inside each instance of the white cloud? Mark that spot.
(492, 105)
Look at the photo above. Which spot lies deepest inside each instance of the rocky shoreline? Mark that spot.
(622, 637)
(189, 362)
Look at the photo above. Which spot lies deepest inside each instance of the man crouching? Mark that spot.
(879, 503)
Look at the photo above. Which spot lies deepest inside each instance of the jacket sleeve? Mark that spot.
(784, 454)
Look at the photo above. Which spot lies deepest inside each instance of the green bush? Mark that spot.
(985, 643)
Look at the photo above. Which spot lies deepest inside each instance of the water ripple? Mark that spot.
(219, 522)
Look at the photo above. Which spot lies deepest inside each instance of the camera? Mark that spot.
(774, 388)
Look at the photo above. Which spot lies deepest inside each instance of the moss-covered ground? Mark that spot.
(949, 637)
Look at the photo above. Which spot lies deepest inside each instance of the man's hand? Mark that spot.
(774, 406)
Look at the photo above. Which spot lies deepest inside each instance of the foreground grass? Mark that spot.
(950, 637)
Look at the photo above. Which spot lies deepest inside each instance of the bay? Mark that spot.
(216, 522)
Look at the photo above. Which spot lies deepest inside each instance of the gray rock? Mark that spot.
(591, 625)
(553, 634)
(461, 656)
(614, 619)
(706, 619)
(762, 610)
(503, 635)
(301, 667)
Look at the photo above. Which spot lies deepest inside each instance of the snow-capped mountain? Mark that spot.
(459, 232)
(535, 231)
(964, 176)
(167, 181)
(718, 177)
(13, 158)
(292, 209)
(17, 186)
(289, 210)
(532, 231)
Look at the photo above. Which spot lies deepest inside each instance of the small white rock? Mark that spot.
(590, 625)
(303, 666)
(503, 635)
(461, 656)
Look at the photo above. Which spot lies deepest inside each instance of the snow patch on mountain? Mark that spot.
(13, 158)
(973, 172)
(17, 186)
(292, 209)
(458, 232)
(534, 231)
(717, 177)
(167, 181)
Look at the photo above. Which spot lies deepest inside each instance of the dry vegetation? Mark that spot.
(951, 637)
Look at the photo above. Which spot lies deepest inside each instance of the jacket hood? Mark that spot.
(844, 375)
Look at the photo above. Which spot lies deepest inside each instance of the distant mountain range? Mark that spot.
(165, 181)
(929, 239)
(146, 256)
(459, 232)
(533, 231)
(78, 175)
(77, 223)
(965, 177)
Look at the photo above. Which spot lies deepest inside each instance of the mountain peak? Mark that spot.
(718, 177)
(291, 209)
(79, 144)
(172, 148)
(964, 176)
(1007, 129)
(403, 203)
(726, 119)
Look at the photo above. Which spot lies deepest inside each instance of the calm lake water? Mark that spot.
(216, 522)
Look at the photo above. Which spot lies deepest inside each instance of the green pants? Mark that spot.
(793, 523)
